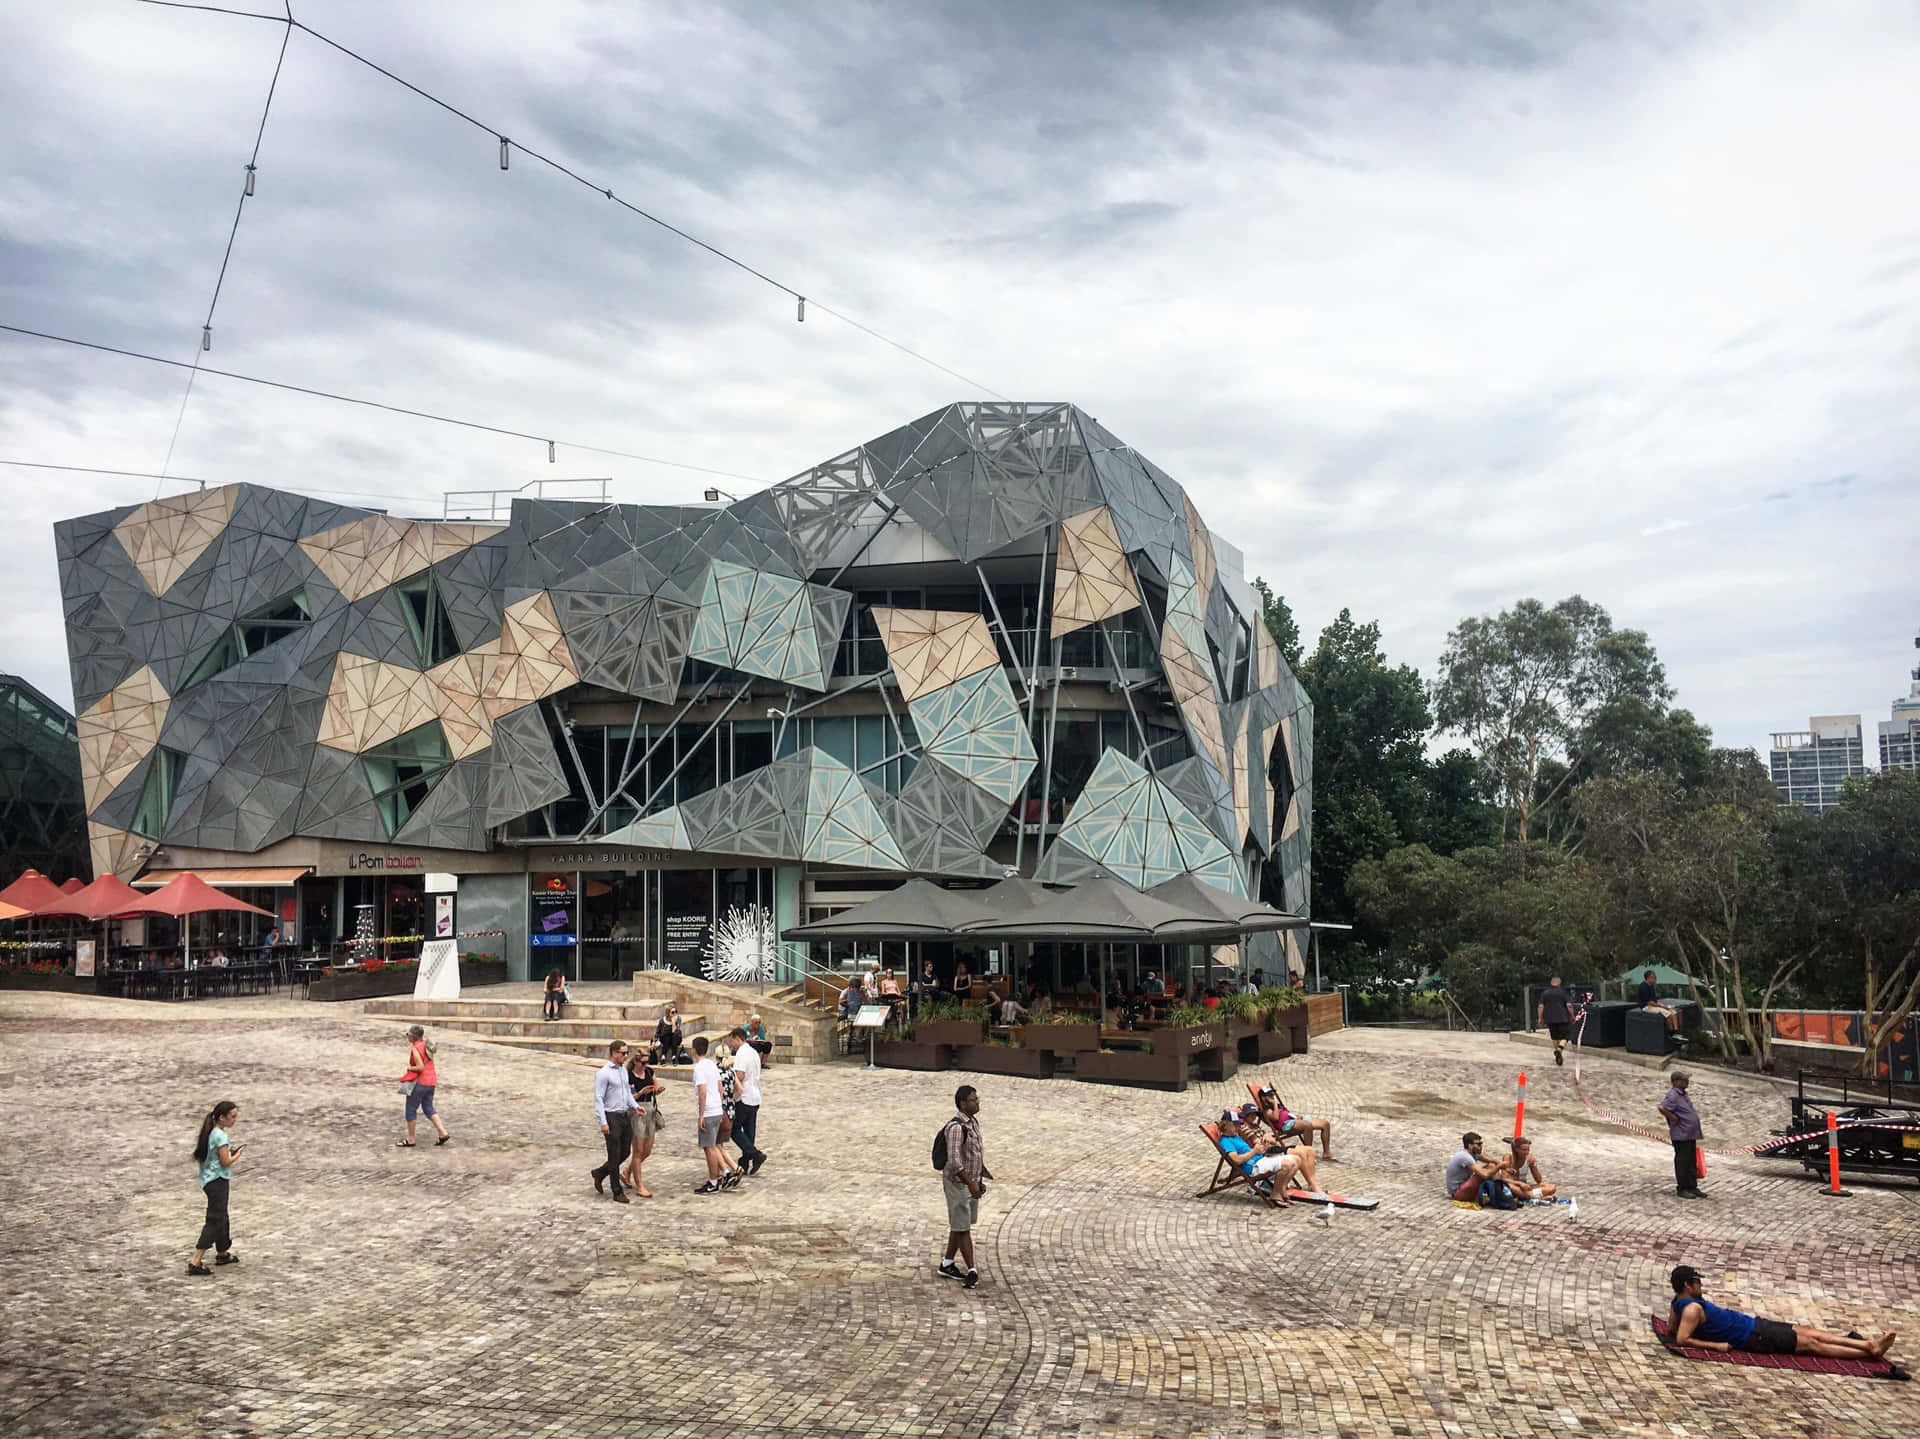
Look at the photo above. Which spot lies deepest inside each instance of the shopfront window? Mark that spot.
(552, 924)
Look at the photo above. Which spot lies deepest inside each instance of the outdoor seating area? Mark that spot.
(1127, 1024)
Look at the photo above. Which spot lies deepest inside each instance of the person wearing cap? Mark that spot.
(1268, 1168)
(1698, 1323)
(1683, 1129)
(1304, 1126)
(418, 1083)
(1255, 1131)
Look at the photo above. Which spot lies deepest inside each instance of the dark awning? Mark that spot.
(918, 909)
(1247, 916)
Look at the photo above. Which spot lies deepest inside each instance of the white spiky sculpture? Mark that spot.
(741, 947)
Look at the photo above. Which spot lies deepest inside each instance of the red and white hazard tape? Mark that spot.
(1740, 1153)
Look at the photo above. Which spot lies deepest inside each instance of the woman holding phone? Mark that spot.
(215, 1152)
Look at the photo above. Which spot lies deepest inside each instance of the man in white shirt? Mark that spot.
(721, 1173)
(746, 1101)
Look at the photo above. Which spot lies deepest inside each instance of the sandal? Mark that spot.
(403, 1144)
(441, 1140)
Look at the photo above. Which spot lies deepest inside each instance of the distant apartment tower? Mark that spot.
(1810, 766)
(1900, 736)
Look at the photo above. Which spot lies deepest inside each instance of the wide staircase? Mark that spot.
(587, 1026)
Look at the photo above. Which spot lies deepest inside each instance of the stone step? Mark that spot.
(587, 1011)
(638, 1032)
(587, 1051)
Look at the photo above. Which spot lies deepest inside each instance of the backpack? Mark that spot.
(940, 1147)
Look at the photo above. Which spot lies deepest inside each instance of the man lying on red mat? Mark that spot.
(1701, 1324)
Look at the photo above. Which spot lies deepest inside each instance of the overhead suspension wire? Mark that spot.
(508, 145)
(246, 193)
(384, 498)
(549, 441)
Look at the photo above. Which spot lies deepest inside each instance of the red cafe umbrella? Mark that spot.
(108, 897)
(32, 890)
(73, 884)
(187, 893)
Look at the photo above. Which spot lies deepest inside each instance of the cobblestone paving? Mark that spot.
(483, 1288)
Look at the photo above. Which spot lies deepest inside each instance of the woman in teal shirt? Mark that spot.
(216, 1154)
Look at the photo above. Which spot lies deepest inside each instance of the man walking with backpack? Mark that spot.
(961, 1160)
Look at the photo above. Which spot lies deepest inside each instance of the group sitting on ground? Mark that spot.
(1505, 1183)
(1261, 1156)
(1699, 1323)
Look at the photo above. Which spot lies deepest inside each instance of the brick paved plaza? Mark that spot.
(483, 1288)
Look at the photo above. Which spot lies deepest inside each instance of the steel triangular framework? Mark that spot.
(262, 640)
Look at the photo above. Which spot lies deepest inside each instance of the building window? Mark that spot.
(156, 796)
(253, 632)
(403, 772)
(427, 619)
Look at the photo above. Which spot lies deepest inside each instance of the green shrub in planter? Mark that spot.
(1190, 1016)
(1240, 1006)
(1272, 1002)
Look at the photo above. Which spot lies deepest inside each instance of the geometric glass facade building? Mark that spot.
(1809, 766)
(43, 819)
(994, 640)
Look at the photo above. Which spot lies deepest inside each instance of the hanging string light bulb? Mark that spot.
(550, 459)
(801, 313)
(505, 146)
(249, 180)
(206, 337)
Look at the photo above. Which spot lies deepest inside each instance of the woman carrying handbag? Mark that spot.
(646, 1117)
(418, 1085)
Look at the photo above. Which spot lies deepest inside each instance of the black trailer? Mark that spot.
(1889, 1147)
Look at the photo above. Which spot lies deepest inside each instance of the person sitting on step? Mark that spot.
(554, 995)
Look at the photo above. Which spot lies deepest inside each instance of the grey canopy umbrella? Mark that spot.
(1100, 909)
(1238, 916)
(916, 910)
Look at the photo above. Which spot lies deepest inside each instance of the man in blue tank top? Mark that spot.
(1701, 1324)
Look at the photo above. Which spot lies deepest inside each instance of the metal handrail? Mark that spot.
(498, 504)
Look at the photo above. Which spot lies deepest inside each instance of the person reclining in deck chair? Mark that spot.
(1699, 1323)
(1255, 1130)
(1282, 1122)
(1269, 1169)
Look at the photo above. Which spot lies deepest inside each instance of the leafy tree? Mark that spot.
(1457, 813)
(1849, 884)
(1370, 721)
(1692, 871)
(1490, 920)
(1534, 685)
(1280, 623)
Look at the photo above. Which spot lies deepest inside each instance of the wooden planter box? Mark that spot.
(60, 983)
(1239, 1029)
(1299, 1033)
(1000, 1059)
(354, 984)
(474, 973)
(911, 1054)
(1119, 1066)
(1190, 1040)
(1266, 1045)
(953, 1032)
(1061, 1038)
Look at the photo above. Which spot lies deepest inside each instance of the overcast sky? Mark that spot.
(1431, 307)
